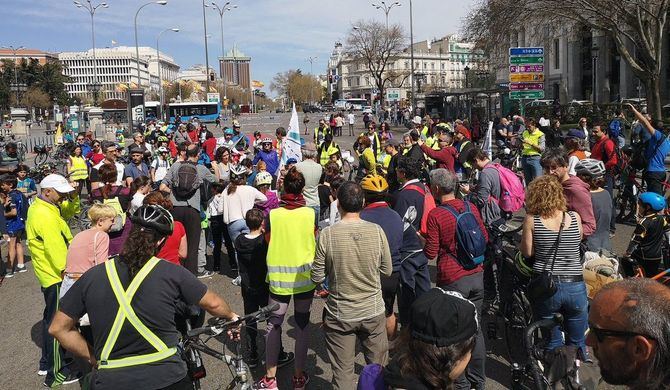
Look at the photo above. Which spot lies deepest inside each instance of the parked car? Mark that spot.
(539, 102)
(327, 108)
(367, 109)
(309, 108)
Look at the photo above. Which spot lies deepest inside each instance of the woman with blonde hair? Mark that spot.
(89, 247)
(551, 235)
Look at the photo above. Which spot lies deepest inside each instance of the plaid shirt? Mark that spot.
(441, 242)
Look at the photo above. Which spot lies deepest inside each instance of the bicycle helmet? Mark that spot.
(521, 266)
(238, 172)
(653, 200)
(162, 138)
(228, 131)
(263, 178)
(266, 140)
(590, 167)
(372, 183)
(154, 217)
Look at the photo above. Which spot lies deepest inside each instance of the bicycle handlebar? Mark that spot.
(221, 324)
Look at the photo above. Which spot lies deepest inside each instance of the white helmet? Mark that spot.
(590, 167)
(263, 178)
(238, 171)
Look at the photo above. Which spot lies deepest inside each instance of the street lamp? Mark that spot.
(204, 22)
(88, 6)
(158, 55)
(137, 47)
(594, 57)
(411, 50)
(227, 7)
(16, 68)
(466, 70)
(386, 8)
(311, 72)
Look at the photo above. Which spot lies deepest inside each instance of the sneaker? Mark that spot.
(237, 281)
(265, 383)
(285, 358)
(42, 372)
(205, 274)
(300, 383)
(9, 274)
(72, 378)
(21, 268)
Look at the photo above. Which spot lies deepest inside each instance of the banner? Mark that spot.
(290, 146)
(487, 146)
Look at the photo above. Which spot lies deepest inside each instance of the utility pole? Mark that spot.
(411, 50)
(311, 73)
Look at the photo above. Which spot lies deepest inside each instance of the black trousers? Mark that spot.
(253, 301)
(53, 356)
(220, 236)
(655, 181)
(190, 218)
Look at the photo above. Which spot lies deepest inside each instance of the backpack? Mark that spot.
(618, 168)
(428, 204)
(187, 181)
(22, 206)
(615, 128)
(470, 238)
(371, 378)
(120, 219)
(512, 194)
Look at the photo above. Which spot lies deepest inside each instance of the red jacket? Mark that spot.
(444, 157)
(441, 241)
(604, 150)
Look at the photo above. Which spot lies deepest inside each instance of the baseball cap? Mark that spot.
(291, 161)
(443, 318)
(56, 182)
(416, 120)
(575, 133)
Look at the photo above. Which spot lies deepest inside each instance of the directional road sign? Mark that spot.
(526, 72)
(526, 77)
(526, 51)
(526, 95)
(526, 86)
(526, 68)
(527, 60)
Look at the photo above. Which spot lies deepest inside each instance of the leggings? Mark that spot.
(301, 307)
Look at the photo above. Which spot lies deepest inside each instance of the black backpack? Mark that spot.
(187, 181)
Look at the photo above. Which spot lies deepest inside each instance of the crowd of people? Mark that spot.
(299, 230)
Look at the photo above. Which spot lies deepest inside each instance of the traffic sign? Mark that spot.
(525, 51)
(526, 77)
(526, 86)
(527, 60)
(526, 95)
(526, 68)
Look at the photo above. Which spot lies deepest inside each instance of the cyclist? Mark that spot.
(646, 245)
(592, 172)
(135, 346)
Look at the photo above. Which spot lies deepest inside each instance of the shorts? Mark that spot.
(389, 290)
(19, 234)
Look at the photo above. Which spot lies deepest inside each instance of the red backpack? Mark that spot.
(428, 204)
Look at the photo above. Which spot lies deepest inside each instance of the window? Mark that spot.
(557, 54)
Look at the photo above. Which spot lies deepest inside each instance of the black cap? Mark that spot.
(443, 318)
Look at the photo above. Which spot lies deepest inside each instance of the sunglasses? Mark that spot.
(602, 334)
(80, 139)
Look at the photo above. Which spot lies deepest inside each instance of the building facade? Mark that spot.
(235, 68)
(116, 71)
(42, 57)
(439, 65)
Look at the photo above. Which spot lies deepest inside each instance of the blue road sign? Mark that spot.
(525, 51)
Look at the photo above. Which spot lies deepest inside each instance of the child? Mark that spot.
(16, 208)
(23, 183)
(263, 182)
(218, 229)
(268, 155)
(139, 188)
(647, 244)
(252, 251)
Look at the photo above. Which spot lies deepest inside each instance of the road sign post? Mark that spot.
(526, 73)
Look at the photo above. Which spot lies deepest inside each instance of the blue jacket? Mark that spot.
(271, 160)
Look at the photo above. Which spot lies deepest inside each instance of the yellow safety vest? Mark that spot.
(79, 169)
(126, 312)
(291, 250)
(326, 153)
(533, 138)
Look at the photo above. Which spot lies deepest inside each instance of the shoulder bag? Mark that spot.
(541, 286)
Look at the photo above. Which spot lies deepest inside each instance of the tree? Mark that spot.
(36, 98)
(297, 86)
(637, 28)
(375, 45)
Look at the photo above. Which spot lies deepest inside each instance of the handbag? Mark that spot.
(541, 286)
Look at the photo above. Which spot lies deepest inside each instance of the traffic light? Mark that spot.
(330, 78)
(211, 76)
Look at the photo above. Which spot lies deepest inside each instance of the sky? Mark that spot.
(278, 34)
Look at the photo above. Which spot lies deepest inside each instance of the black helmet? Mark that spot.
(154, 217)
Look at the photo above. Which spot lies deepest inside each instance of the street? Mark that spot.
(22, 304)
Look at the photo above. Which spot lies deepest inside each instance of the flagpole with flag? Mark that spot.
(290, 146)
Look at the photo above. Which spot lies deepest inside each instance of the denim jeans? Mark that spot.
(571, 301)
(236, 228)
(609, 186)
(531, 168)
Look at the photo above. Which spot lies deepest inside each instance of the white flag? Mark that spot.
(487, 147)
(290, 147)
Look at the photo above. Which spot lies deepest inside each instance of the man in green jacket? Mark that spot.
(48, 239)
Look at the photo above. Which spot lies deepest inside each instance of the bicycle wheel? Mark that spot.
(41, 158)
(21, 151)
(517, 314)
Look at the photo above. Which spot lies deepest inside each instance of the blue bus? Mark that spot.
(205, 111)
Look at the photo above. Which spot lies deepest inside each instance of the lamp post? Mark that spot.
(227, 7)
(137, 47)
(160, 80)
(88, 6)
(594, 57)
(386, 8)
(411, 51)
(16, 69)
(204, 23)
(311, 73)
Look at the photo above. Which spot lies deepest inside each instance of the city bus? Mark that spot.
(205, 111)
(151, 110)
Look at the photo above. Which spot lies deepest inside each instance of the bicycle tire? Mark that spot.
(41, 158)
(21, 151)
(515, 328)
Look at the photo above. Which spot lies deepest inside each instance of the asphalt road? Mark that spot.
(21, 305)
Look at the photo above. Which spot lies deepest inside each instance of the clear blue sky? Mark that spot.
(277, 34)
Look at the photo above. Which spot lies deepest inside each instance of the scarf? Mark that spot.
(291, 201)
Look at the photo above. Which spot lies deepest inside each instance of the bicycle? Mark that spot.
(638, 272)
(192, 345)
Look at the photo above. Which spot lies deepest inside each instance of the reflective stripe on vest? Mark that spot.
(291, 250)
(126, 312)
(534, 139)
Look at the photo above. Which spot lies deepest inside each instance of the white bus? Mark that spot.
(355, 104)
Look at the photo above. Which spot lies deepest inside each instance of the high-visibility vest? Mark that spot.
(79, 169)
(291, 250)
(126, 312)
(533, 138)
(326, 153)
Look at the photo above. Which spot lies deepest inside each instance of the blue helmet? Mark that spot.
(654, 200)
(229, 131)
